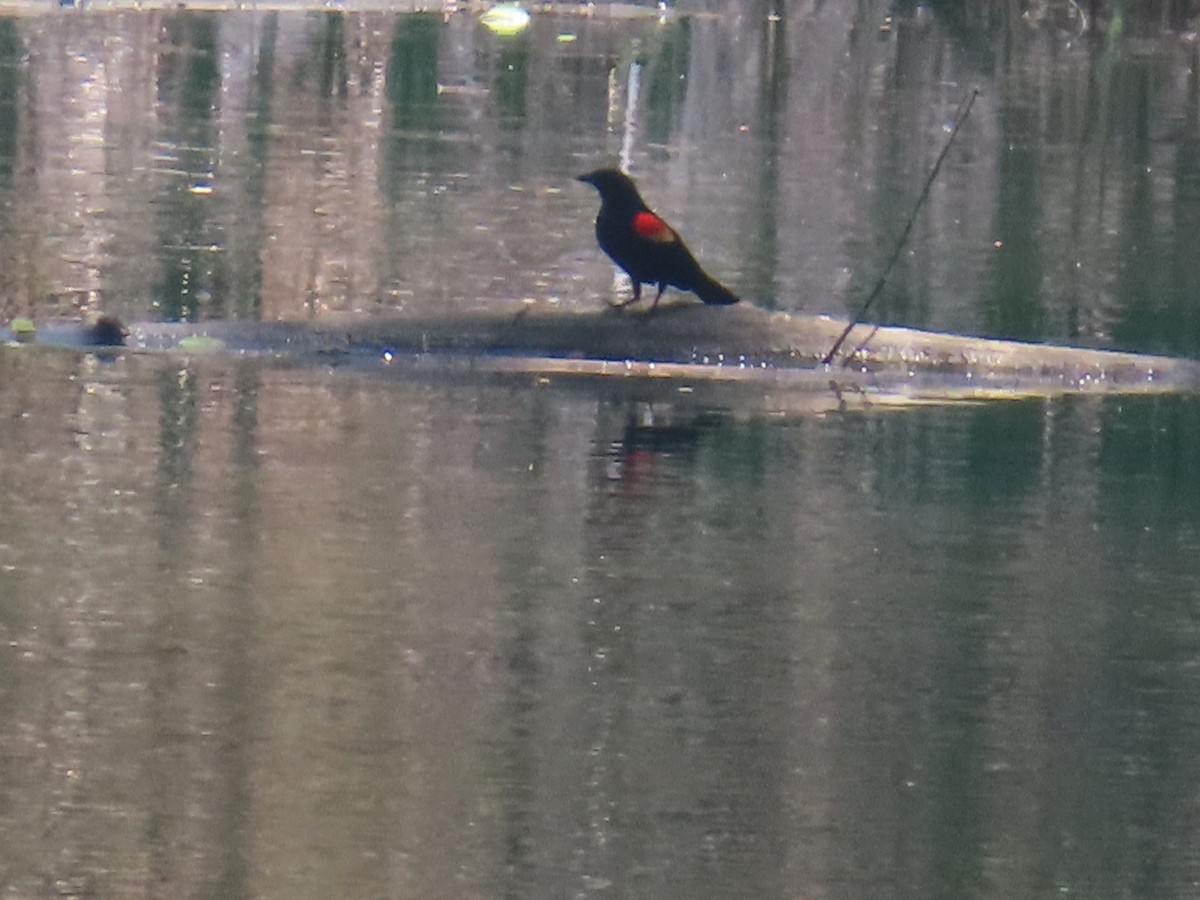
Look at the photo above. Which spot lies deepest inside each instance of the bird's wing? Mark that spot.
(650, 227)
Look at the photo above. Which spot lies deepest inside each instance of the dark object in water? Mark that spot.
(106, 331)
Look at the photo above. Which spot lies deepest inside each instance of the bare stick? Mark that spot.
(849, 358)
(964, 109)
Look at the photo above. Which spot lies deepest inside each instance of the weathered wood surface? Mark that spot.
(709, 343)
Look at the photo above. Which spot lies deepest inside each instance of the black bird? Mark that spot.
(646, 247)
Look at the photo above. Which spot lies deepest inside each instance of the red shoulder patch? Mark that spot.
(650, 227)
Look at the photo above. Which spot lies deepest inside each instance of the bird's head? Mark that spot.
(615, 187)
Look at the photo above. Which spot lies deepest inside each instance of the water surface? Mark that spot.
(307, 632)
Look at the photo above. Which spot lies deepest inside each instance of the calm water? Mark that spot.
(277, 632)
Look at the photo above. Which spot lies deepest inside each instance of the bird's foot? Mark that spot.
(620, 305)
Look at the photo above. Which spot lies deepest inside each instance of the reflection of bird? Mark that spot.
(645, 246)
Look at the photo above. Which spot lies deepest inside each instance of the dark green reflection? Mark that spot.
(172, 626)
(760, 282)
(512, 81)
(666, 80)
(11, 50)
(412, 71)
(412, 92)
(244, 254)
(959, 747)
(1184, 236)
(11, 77)
(178, 425)
(1145, 303)
(333, 56)
(1013, 309)
(1151, 256)
(322, 68)
(239, 704)
(189, 82)
(1004, 453)
(189, 69)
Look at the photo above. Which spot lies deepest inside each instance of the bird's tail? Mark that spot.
(713, 292)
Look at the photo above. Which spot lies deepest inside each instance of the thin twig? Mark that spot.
(964, 109)
(849, 357)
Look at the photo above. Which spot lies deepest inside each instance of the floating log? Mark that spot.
(680, 340)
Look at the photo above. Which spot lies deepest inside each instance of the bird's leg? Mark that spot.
(637, 295)
(662, 286)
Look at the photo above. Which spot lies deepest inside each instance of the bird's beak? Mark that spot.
(586, 179)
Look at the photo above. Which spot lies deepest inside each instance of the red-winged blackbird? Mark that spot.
(645, 246)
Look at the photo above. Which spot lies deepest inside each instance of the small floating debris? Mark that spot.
(201, 343)
(23, 329)
(506, 20)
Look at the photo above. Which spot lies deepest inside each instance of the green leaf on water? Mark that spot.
(201, 343)
(506, 20)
